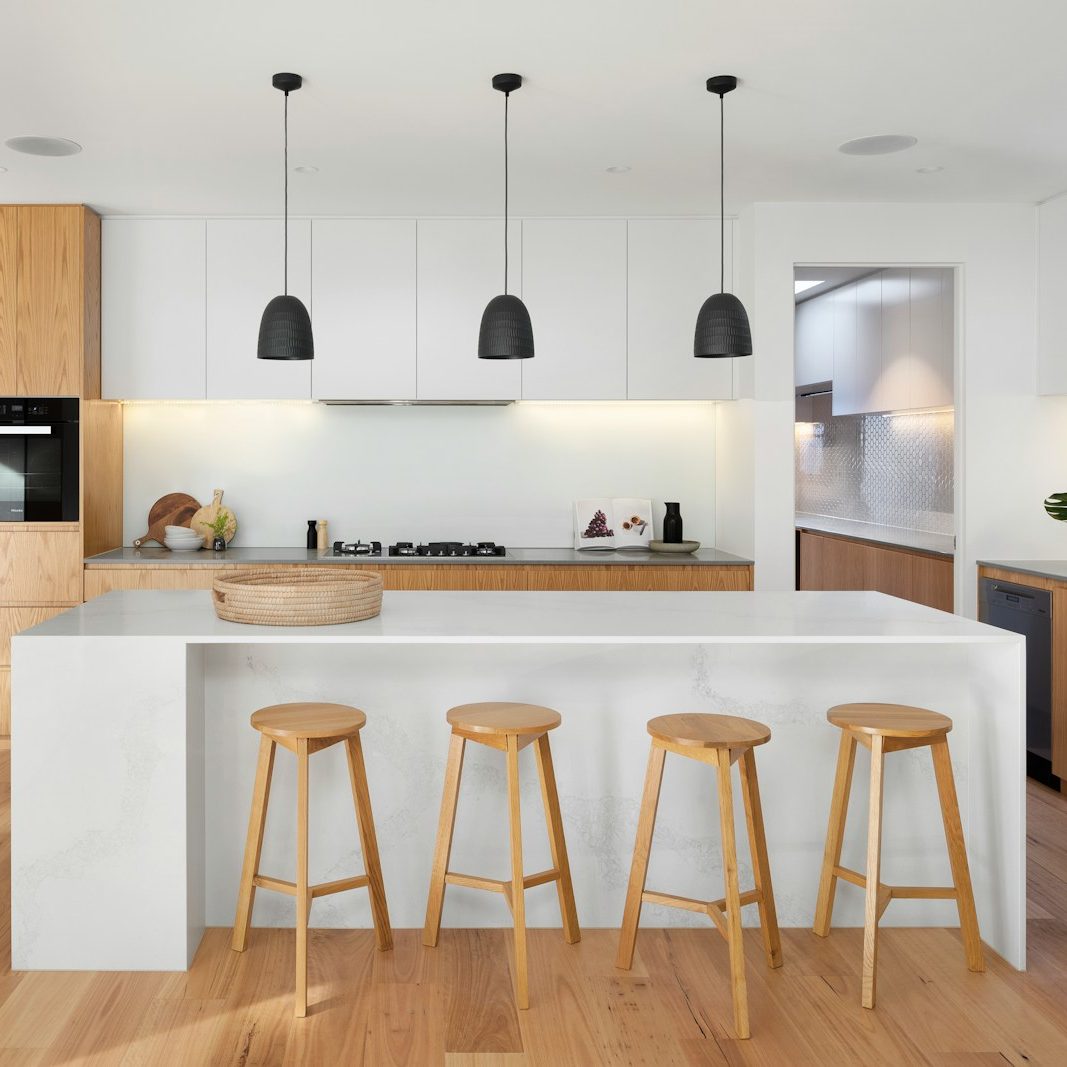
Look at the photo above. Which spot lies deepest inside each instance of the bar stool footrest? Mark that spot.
(713, 909)
(323, 889)
(886, 893)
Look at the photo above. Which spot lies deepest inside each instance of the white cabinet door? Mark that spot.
(868, 373)
(814, 341)
(930, 384)
(244, 272)
(847, 397)
(672, 268)
(574, 285)
(460, 269)
(894, 389)
(363, 278)
(152, 309)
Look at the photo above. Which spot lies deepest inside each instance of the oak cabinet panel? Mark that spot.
(9, 230)
(40, 567)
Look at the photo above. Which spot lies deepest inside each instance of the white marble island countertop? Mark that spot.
(450, 617)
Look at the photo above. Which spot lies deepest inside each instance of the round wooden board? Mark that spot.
(202, 520)
(174, 509)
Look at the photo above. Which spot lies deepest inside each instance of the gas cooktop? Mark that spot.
(409, 548)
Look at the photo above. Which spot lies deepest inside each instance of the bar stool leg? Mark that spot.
(733, 895)
(518, 889)
(257, 821)
(761, 868)
(835, 833)
(303, 900)
(871, 911)
(557, 842)
(646, 824)
(957, 854)
(368, 839)
(445, 828)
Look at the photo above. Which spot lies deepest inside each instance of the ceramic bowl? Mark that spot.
(185, 544)
(680, 546)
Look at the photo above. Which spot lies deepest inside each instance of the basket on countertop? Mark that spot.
(315, 596)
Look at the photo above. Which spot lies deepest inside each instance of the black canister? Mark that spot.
(672, 524)
(313, 534)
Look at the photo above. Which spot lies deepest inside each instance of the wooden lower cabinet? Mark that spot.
(828, 561)
(41, 566)
(5, 701)
(500, 577)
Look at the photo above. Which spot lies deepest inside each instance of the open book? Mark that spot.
(623, 522)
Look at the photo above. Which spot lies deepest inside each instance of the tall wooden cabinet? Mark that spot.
(50, 346)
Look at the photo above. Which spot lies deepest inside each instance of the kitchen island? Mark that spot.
(133, 759)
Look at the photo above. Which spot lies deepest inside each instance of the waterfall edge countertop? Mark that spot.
(133, 758)
(515, 556)
(892, 536)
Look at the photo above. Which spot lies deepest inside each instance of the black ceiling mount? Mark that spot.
(722, 84)
(507, 83)
(289, 83)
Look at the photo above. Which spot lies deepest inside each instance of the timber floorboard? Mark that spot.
(454, 1005)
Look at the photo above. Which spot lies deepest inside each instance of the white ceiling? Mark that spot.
(174, 106)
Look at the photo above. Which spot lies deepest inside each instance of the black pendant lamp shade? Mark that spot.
(285, 329)
(722, 326)
(506, 331)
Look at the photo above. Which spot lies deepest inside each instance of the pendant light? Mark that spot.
(506, 332)
(285, 329)
(722, 325)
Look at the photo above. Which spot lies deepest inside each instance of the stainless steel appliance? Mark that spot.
(38, 459)
(1028, 611)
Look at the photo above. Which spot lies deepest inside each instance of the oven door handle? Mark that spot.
(22, 431)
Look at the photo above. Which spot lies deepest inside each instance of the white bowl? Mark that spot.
(181, 531)
(190, 536)
(184, 545)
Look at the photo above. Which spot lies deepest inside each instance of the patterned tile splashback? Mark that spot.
(895, 471)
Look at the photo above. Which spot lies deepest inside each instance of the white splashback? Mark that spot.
(389, 473)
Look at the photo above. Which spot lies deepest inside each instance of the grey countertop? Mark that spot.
(1055, 569)
(555, 556)
(940, 544)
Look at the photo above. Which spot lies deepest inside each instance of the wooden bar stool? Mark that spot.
(508, 727)
(887, 728)
(719, 740)
(304, 729)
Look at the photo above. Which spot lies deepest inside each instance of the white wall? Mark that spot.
(414, 473)
(1011, 442)
(1051, 288)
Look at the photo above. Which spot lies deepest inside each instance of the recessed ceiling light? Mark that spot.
(619, 168)
(44, 146)
(879, 145)
(306, 168)
(801, 286)
(928, 170)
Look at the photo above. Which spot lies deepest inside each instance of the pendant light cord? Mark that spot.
(506, 97)
(722, 195)
(285, 269)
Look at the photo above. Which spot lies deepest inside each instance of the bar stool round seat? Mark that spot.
(709, 731)
(503, 718)
(890, 720)
(311, 722)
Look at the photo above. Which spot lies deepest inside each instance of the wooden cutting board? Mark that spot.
(174, 509)
(202, 520)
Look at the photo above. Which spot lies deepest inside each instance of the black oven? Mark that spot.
(38, 459)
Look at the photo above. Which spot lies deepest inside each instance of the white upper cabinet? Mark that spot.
(932, 302)
(673, 267)
(152, 308)
(814, 341)
(574, 286)
(363, 274)
(847, 399)
(244, 272)
(894, 387)
(460, 269)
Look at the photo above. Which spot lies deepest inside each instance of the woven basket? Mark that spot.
(315, 596)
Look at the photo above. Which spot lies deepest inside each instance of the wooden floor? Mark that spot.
(453, 1005)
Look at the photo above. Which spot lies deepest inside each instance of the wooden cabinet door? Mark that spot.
(363, 282)
(154, 297)
(460, 269)
(245, 271)
(9, 231)
(55, 311)
(574, 284)
(672, 268)
(40, 567)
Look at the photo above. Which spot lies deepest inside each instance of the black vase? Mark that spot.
(313, 534)
(218, 543)
(672, 525)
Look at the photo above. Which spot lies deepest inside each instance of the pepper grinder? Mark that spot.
(313, 534)
(323, 540)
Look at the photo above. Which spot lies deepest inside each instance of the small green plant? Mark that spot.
(219, 523)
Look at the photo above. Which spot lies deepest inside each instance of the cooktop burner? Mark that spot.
(409, 548)
(447, 548)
